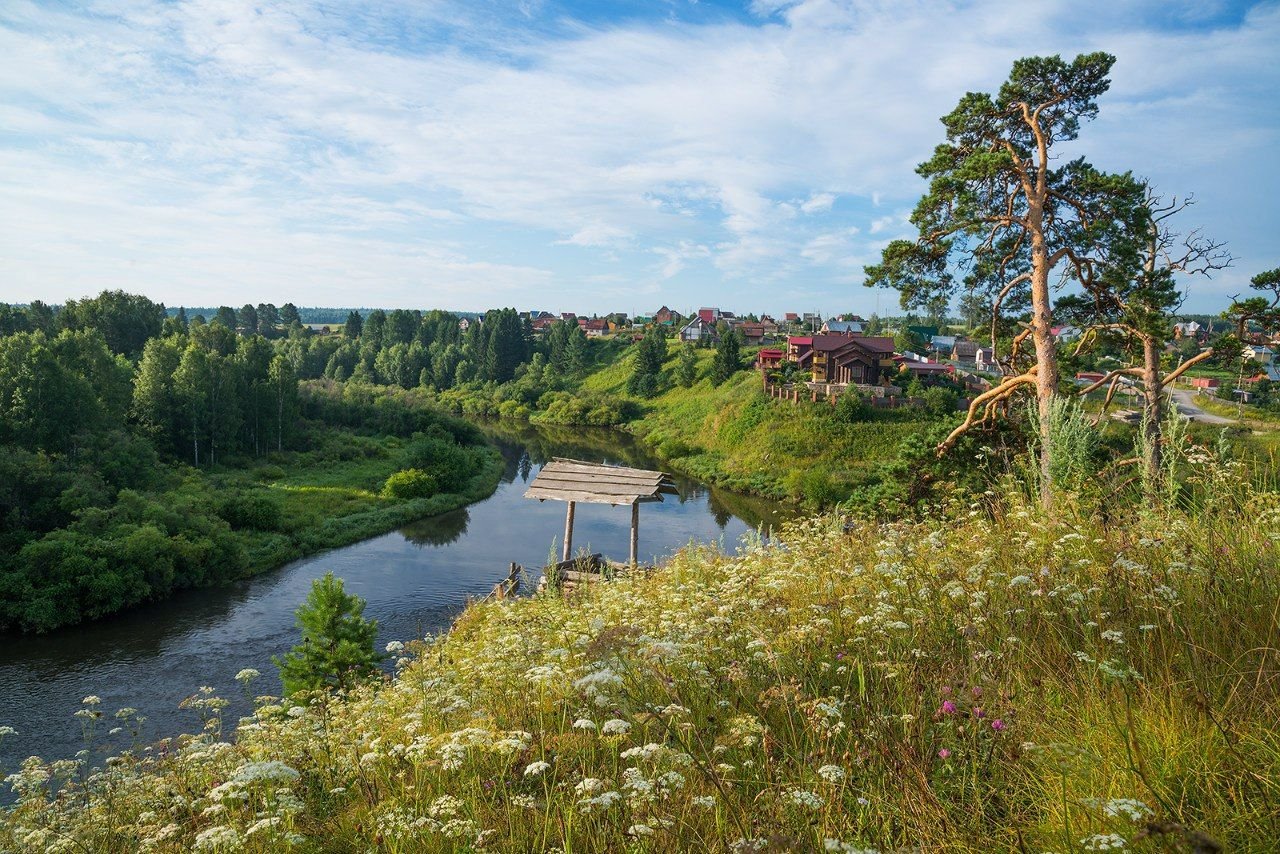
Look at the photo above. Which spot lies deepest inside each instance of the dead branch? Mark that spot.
(1111, 377)
(1182, 369)
(987, 399)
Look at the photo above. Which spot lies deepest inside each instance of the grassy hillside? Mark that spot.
(992, 682)
(734, 436)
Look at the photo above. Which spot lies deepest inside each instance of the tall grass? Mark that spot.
(985, 680)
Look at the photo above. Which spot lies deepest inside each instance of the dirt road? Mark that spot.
(1185, 401)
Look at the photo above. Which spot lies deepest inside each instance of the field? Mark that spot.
(987, 680)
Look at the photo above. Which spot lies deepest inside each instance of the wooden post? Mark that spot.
(568, 532)
(635, 532)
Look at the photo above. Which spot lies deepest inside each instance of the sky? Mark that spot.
(572, 156)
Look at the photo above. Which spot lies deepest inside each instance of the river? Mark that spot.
(415, 581)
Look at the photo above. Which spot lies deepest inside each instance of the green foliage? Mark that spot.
(337, 649)
(584, 409)
(940, 401)
(126, 321)
(650, 354)
(686, 373)
(728, 360)
(410, 483)
(251, 511)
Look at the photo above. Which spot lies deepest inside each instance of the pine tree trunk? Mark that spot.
(1046, 355)
(1152, 413)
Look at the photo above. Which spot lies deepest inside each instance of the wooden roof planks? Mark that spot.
(595, 483)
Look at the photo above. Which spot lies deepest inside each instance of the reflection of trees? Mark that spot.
(438, 530)
(545, 441)
(142, 632)
(540, 443)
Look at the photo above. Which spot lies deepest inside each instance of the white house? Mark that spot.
(1263, 355)
(697, 329)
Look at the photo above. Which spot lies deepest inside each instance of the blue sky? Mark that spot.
(571, 155)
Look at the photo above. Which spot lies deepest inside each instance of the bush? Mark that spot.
(450, 465)
(940, 402)
(251, 511)
(410, 483)
(851, 408)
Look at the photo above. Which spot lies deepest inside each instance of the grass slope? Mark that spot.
(734, 436)
(992, 682)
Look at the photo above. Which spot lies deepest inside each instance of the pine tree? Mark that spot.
(687, 365)
(728, 359)
(337, 648)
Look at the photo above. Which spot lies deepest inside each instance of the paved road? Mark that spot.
(1185, 401)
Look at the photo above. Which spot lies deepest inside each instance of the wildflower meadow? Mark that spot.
(983, 680)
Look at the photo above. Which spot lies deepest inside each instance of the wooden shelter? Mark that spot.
(595, 483)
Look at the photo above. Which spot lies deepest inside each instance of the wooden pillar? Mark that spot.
(568, 533)
(635, 532)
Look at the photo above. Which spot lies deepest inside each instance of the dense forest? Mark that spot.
(120, 426)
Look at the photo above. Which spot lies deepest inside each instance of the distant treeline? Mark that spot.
(107, 404)
(286, 314)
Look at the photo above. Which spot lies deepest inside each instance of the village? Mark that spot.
(806, 355)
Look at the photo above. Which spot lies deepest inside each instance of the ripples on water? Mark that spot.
(415, 581)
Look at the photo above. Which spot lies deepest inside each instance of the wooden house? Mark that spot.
(768, 358)
(851, 359)
(965, 352)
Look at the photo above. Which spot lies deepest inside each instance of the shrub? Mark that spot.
(939, 401)
(410, 483)
(252, 511)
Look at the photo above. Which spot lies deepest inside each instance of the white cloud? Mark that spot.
(263, 139)
(818, 203)
(597, 234)
(880, 223)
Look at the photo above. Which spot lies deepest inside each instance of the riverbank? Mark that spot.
(415, 580)
(972, 683)
(209, 527)
(326, 502)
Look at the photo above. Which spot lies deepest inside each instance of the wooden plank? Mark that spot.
(586, 497)
(593, 486)
(595, 477)
(613, 471)
(560, 464)
(634, 485)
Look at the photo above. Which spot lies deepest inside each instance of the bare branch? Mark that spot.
(989, 397)
(1111, 377)
(1182, 369)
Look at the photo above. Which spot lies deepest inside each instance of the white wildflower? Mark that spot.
(615, 726)
(533, 769)
(1102, 842)
(831, 773)
(805, 799)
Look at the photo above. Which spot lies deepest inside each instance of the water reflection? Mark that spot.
(414, 580)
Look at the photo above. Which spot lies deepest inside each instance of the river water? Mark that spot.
(415, 581)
